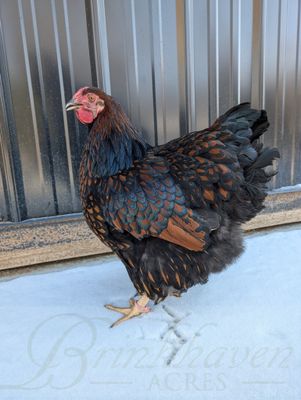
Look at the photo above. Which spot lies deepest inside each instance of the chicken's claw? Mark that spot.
(136, 308)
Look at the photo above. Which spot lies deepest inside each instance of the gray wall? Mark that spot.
(173, 64)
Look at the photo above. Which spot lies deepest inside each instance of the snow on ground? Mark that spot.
(287, 189)
(238, 337)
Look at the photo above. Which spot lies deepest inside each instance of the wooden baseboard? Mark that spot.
(65, 237)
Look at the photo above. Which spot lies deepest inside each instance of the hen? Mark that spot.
(171, 213)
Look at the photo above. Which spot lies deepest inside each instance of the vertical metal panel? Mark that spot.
(173, 64)
(12, 183)
(166, 73)
(197, 33)
(219, 54)
(277, 81)
(47, 58)
(5, 173)
(3, 202)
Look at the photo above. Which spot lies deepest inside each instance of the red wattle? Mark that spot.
(85, 116)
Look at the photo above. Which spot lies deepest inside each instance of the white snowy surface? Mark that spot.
(287, 189)
(237, 337)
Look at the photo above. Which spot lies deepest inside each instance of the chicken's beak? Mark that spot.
(71, 105)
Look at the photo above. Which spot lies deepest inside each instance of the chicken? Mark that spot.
(171, 213)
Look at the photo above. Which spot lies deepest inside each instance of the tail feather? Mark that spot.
(258, 174)
(265, 158)
(243, 117)
(259, 126)
(247, 125)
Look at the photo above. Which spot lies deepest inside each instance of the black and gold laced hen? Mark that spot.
(173, 213)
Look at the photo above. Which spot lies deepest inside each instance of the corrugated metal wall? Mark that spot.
(174, 65)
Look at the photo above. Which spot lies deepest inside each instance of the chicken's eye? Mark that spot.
(91, 98)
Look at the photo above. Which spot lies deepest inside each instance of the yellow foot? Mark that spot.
(136, 308)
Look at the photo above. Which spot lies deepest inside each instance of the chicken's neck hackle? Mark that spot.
(113, 144)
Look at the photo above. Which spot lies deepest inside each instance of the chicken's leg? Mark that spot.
(136, 308)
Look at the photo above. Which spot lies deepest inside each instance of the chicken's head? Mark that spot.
(87, 103)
